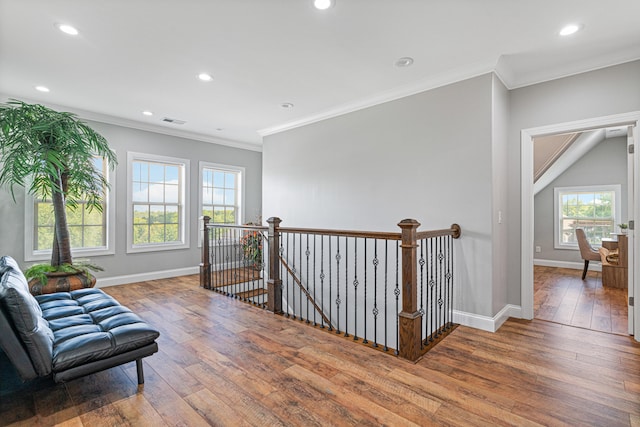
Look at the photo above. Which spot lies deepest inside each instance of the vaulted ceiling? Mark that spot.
(145, 55)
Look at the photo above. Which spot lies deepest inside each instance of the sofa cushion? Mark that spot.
(26, 315)
(89, 325)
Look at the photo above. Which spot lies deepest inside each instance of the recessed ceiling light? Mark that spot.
(569, 29)
(323, 4)
(286, 105)
(405, 61)
(147, 113)
(67, 29)
(42, 88)
(205, 77)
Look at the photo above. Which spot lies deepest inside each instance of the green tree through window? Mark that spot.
(594, 210)
(156, 198)
(220, 195)
(87, 227)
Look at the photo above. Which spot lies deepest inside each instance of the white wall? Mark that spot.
(499, 129)
(613, 90)
(605, 164)
(427, 157)
(130, 267)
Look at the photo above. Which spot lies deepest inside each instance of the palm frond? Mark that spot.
(45, 150)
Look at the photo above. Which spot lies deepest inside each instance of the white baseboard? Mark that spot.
(142, 277)
(486, 323)
(593, 266)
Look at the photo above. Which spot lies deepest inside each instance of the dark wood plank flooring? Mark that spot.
(224, 362)
(560, 295)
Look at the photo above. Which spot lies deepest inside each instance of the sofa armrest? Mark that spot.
(13, 348)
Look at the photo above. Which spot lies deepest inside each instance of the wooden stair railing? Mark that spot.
(416, 295)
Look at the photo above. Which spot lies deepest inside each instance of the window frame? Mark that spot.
(183, 203)
(557, 211)
(32, 254)
(240, 188)
(240, 193)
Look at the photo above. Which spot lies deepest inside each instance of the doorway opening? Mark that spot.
(580, 185)
(630, 121)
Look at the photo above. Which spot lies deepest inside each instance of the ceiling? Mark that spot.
(132, 56)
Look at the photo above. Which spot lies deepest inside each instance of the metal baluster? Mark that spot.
(293, 279)
(397, 294)
(451, 280)
(299, 274)
(261, 273)
(234, 267)
(330, 286)
(338, 284)
(355, 289)
(225, 266)
(314, 276)
(240, 286)
(421, 262)
(386, 290)
(440, 259)
(321, 279)
(346, 286)
(431, 285)
(446, 277)
(218, 259)
(287, 274)
(375, 292)
(365, 341)
(281, 254)
(230, 267)
(265, 270)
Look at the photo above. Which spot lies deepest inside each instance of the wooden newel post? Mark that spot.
(274, 284)
(205, 265)
(409, 318)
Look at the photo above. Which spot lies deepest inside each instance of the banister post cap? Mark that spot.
(274, 220)
(408, 223)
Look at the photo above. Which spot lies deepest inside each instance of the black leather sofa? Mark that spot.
(67, 334)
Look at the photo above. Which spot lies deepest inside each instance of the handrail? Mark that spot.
(243, 227)
(454, 231)
(383, 235)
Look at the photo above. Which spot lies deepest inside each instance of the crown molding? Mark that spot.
(132, 124)
(534, 79)
(443, 79)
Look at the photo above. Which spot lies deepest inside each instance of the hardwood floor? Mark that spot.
(560, 295)
(224, 362)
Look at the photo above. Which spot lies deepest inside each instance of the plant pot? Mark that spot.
(61, 282)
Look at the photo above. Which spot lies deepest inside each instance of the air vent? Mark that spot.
(173, 121)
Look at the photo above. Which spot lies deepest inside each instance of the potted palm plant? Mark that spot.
(51, 154)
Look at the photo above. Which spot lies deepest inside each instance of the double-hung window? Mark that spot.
(157, 203)
(596, 209)
(221, 193)
(90, 230)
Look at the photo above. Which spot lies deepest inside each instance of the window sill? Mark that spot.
(80, 253)
(156, 247)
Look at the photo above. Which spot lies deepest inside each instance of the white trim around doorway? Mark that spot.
(527, 205)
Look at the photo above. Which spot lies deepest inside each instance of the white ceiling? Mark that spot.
(140, 55)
